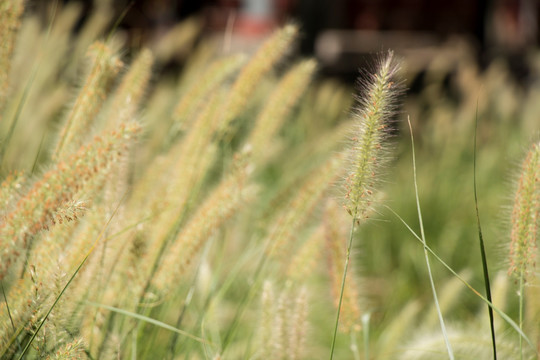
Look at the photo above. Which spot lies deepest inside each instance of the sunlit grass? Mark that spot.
(196, 216)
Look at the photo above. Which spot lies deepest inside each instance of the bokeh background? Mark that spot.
(341, 33)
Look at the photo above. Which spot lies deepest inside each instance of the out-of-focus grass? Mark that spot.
(194, 210)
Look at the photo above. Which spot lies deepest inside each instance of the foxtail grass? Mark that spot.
(271, 52)
(49, 199)
(304, 262)
(104, 67)
(525, 219)
(224, 201)
(130, 92)
(367, 153)
(283, 323)
(279, 105)
(178, 271)
(301, 207)
(212, 78)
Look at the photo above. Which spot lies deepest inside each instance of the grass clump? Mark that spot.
(196, 216)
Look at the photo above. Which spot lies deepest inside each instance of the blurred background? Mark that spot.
(342, 34)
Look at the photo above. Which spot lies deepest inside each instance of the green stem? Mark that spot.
(424, 243)
(521, 312)
(7, 305)
(469, 286)
(343, 285)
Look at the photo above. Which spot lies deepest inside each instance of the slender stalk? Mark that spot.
(343, 285)
(423, 239)
(148, 320)
(521, 297)
(482, 247)
(7, 304)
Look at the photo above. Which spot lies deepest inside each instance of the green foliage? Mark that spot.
(148, 216)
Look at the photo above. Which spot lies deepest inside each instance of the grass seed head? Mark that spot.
(526, 215)
(367, 153)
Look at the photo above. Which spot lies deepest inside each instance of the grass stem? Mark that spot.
(469, 286)
(343, 285)
(423, 240)
(521, 297)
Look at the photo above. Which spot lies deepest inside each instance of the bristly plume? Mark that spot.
(104, 67)
(53, 198)
(526, 215)
(278, 106)
(260, 64)
(373, 113)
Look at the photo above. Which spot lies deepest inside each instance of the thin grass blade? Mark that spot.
(501, 313)
(149, 320)
(423, 240)
(482, 247)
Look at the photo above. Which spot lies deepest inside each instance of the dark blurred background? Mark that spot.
(341, 34)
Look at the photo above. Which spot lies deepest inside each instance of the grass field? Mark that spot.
(250, 209)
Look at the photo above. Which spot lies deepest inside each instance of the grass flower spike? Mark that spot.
(262, 62)
(50, 200)
(104, 67)
(525, 219)
(284, 97)
(526, 215)
(367, 152)
(373, 113)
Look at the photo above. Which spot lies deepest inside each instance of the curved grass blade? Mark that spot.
(482, 247)
(149, 320)
(423, 240)
(7, 305)
(476, 292)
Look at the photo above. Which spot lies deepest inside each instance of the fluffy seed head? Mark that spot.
(367, 152)
(526, 215)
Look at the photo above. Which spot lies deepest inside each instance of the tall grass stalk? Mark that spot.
(423, 239)
(524, 219)
(343, 279)
(367, 153)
